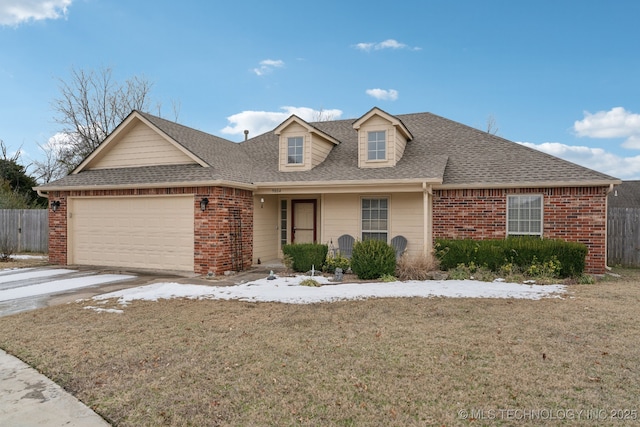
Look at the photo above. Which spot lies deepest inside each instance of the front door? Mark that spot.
(303, 219)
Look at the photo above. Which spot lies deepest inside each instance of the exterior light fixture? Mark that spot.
(203, 204)
(261, 202)
(55, 205)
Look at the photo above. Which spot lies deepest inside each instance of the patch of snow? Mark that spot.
(104, 310)
(30, 273)
(22, 256)
(63, 285)
(288, 290)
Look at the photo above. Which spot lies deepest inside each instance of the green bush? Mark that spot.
(304, 256)
(372, 259)
(337, 261)
(531, 255)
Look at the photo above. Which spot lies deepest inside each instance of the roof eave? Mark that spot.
(209, 183)
(528, 184)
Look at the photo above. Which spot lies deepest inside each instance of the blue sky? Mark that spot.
(560, 75)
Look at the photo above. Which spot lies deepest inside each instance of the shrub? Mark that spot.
(372, 259)
(304, 256)
(7, 248)
(337, 261)
(415, 267)
(310, 282)
(514, 253)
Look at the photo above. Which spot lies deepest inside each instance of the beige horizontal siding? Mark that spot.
(266, 229)
(141, 146)
(407, 219)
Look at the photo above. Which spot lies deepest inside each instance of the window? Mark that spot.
(377, 145)
(294, 150)
(283, 222)
(524, 215)
(375, 213)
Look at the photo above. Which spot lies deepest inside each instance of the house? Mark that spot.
(159, 195)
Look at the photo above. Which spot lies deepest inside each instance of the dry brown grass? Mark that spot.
(416, 267)
(22, 263)
(392, 362)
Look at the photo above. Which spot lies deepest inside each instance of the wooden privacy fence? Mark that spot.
(27, 230)
(623, 237)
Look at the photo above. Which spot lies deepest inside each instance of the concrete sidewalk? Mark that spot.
(28, 398)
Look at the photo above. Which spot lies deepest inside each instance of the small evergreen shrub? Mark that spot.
(304, 256)
(337, 261)
(372, 259)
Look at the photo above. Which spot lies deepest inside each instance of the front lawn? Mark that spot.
(402, 361)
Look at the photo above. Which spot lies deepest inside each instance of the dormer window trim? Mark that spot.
(295, 152)
(377, 146)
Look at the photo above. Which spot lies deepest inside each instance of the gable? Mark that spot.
(301, 147)
(137, 142)
(141, 146)
(390, 137)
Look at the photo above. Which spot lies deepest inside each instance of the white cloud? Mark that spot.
(14, 12)
(58, 142)
(387, 44)
(383, 94)
(267, 66)
(615, 123)
(592, 158)
(259, 122)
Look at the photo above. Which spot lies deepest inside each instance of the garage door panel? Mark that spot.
(139, 232)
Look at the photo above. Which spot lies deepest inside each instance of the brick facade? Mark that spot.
(223, 233)
(575, 214)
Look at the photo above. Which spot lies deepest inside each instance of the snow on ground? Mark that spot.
(24, 256)
(14, 285)
(288, 290)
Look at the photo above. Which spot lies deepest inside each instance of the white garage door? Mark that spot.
(138, 232)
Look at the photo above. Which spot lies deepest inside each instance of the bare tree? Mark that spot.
(322, 115)
(90, 106)
(49, 168)
(492, 125)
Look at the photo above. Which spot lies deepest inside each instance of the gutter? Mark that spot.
(128, 186)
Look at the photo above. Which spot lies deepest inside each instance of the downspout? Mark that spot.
(41, 194)
(427, 246)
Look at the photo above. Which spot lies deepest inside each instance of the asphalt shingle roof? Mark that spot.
(441, 150)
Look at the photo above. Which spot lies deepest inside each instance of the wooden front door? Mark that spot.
(303, 221)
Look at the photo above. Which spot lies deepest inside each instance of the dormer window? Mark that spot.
(294, 150)
(301, 146)
(377, 145)
(382, 139)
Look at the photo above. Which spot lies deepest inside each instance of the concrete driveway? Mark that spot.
(25, 289)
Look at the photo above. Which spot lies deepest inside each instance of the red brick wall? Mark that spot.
(220, 240)
(58, 229)
(573, 214)
(214, 229)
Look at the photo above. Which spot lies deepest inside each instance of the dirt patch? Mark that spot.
(412, 361)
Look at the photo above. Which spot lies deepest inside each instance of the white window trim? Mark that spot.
(388, 230)
(289, 137)
(386, 145)
(541, 232)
